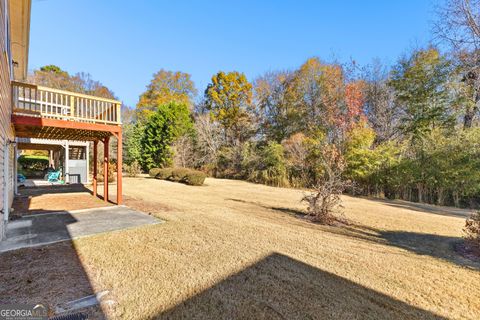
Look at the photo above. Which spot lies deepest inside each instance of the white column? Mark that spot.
(88, 161)
(66, 169)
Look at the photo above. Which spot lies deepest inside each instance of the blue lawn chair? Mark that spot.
(21, 178)
(53, 176)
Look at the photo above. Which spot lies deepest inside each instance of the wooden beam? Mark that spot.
(106, 159)
(119, 168)
(95, 155)
(45, 122)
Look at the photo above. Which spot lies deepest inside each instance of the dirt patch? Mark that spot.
(149, 207)
(53, 202)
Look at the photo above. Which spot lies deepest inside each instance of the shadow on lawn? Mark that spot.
(425, 208)
(50, 274)
(279, 287)
(437, 246)
(433, 245)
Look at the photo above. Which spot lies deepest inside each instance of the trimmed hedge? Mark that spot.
(187, 176)
(164, 174)
(178, 174)
(153, 172)
(194, 178)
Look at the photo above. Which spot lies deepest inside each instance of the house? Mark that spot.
(30, 112)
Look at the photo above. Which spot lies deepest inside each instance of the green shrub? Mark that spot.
(267, 165)
(178, 174)
(194, 178)
(133, 169)
(111, 172)
(153, 172)
(35, 163)
(164, 173)
(184, 175)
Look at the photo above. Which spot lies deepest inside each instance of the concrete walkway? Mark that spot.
(41, 229)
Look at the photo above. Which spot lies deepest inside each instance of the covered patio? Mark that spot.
(49, 118)
(68, 161)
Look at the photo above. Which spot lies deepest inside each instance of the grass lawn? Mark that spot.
(231, 249)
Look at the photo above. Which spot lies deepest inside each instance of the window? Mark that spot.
(77, 153)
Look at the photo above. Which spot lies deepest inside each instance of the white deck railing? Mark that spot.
(37, 101)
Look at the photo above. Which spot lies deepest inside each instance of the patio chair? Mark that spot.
(21, 178)
(53, 176)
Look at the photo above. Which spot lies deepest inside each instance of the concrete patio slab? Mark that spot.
(41, 229)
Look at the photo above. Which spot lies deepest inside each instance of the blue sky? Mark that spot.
(122, 43)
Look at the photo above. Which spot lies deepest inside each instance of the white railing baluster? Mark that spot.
(40, 101)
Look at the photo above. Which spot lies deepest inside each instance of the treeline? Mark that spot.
(409, 131)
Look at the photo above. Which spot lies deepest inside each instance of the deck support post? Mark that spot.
(95, 170)
(119, 168)
(106, 159)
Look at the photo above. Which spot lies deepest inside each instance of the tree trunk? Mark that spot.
(471, 112)
(420, 192)
(456, 199)
(440, 196)
(468, 119)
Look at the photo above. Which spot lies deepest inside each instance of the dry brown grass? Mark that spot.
(232, 249)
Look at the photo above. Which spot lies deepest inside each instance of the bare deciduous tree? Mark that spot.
(184, 153)
(325, 199)
(209, 139)
(381, 109)
(459, 26)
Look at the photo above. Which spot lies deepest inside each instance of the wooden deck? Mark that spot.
(46, 113)
(42, 102)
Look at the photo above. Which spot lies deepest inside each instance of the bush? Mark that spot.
(164, 173)
(133, 169)
(185, 175)
(35, 163)
(194, 178)
(178, 174)
(153, 172)
(472, 230)
(268, 166)
(111, 172)
(325, 198)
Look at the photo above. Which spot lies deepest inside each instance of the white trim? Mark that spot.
(67, 158)
(6, 178)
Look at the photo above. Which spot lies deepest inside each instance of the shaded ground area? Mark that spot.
(55, 198)
(423, 207)
(50, 275)
(307, 293)
(44, 229)
(232, 249)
